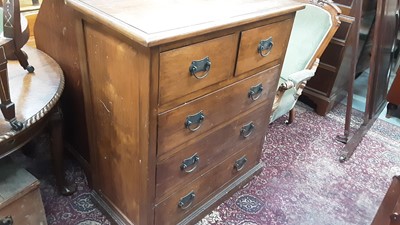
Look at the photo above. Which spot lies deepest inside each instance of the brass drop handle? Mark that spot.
(186, 201)
(193, 122)
(265, 47)
(247, 130)
(7, 221)
(203, 65)
(239, 164)
(255, 92)
(190, 162)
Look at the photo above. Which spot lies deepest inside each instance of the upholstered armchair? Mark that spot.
(312, 30)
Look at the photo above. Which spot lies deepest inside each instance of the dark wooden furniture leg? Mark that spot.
(6, 105)
(292, 114)
(57, 150)
(393, 97)
(23, 60)
(391, 110)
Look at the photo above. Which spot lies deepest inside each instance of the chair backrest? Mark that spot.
(312, 30)
(13, 27)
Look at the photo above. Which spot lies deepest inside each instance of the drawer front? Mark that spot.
(195, 159)
(190, 121)
(263, 45)
(191, 68)
(187, 199)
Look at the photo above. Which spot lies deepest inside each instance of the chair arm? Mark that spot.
(300, 76)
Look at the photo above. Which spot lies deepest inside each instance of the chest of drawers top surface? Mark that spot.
(155, 22)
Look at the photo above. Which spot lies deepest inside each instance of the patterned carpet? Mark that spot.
(302, 183)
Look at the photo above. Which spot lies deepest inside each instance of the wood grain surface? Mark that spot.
(150, 24)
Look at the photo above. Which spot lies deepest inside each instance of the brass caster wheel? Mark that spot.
(30, 68)
(342, 159)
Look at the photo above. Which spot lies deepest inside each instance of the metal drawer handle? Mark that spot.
(192, 161)
(265, 46)
(200, 65)
(247, 130)
(186, 202)
(255, 92)
(7, 221)
(197, 118)
(239, 164)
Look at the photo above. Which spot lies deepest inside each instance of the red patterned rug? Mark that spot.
(302, 182)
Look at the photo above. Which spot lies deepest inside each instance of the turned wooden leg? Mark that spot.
(7, 107)
(57, 150)
(291, 117)
(23, 60)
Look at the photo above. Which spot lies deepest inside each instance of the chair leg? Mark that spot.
(292, 114)
(7, 107)
(23, 60)
(57, 150)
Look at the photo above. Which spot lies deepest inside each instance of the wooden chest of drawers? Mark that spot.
(177, 97)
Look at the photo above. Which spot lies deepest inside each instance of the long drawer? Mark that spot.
(195, 159)
(192, 120)
(187, 199)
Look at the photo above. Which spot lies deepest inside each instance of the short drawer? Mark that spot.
(192, 120)
(263, 45)
(192, 195)
(191, 68)
(195, 159)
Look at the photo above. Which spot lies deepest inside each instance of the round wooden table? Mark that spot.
(36, 96)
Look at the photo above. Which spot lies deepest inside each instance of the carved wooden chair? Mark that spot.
(13, 36)
(312, 30)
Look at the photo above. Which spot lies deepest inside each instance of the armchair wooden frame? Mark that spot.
(313, 63)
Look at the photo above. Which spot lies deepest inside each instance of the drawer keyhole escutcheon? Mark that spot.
(7, 221)
(265, 47)
(190, 162)
(247, 130)
(203, 65)
(255, 92)
(193, 122)
(239, 164)
(186, 202)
